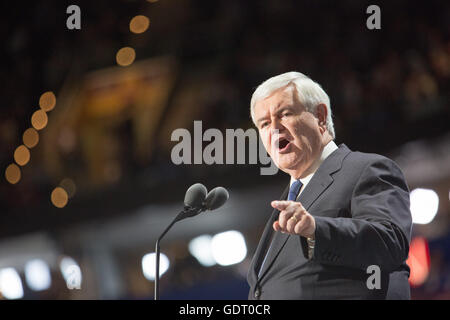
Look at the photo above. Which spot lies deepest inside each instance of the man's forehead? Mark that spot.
(277, 98)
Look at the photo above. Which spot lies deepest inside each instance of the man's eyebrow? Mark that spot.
(277, 111)
(283, 108)
(261, 119)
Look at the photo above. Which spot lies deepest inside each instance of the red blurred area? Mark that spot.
(418, 261)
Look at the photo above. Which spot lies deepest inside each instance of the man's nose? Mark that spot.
(277, 127)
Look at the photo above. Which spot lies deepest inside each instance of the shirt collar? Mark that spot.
(327, 150)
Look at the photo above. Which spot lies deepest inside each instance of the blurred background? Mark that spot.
(86, 119)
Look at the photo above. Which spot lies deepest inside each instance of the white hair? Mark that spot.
(310, 94)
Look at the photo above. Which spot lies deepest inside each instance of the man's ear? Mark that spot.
(321, 114)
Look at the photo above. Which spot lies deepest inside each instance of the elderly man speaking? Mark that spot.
(341, 229)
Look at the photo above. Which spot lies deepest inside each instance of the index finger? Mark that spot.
(281, 204)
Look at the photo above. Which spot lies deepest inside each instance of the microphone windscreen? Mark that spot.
(195, 195)
(216, 198)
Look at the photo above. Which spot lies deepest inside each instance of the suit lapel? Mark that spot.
(321, 180)
(278, 242)
(265, 241)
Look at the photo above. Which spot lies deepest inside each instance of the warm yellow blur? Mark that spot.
(39, 119)
(30, 137)
(22, 155)
(125, 56)
(139, 24)
(12, 173)
(59, 197)
(47, 101)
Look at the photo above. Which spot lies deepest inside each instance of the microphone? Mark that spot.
(193, 201)
(196, 200)
(195, 195)
(216, 198)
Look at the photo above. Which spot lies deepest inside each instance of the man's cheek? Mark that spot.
(266, 143)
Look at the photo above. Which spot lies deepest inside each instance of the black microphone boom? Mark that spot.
(196, 200)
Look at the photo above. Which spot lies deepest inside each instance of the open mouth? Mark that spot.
(283, 145)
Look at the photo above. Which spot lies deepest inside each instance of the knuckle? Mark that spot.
(300, 227)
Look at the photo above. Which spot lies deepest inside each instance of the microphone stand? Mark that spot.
(187, 212)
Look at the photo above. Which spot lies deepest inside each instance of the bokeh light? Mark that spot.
(59, 197)
(47, 101)
(37, 275)
(149, 265)
(125, 56)
(30, 137)
(71, 272)
(418, 261)
(39, 119)
(424, 205)
(200, 248)
(10, 284)
(139, 24)
(12, 173)
(22, 155)
(228, 247)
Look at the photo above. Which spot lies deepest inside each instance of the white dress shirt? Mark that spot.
(327, 150)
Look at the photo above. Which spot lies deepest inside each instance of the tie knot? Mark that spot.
(295, 188)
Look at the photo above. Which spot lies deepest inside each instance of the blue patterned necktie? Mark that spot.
(293, 193)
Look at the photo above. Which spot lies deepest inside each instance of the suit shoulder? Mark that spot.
(359, 161)
(364, 157)
(370, 165)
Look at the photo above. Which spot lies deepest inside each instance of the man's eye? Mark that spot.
(264, 124)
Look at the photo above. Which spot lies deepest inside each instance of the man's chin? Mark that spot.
(287, 165)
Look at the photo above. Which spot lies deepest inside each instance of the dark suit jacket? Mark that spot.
(360, 203)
